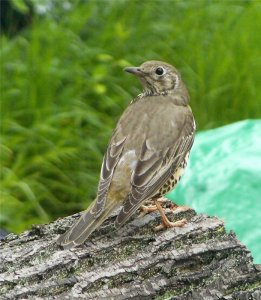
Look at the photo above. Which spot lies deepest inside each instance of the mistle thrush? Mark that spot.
(147, 153)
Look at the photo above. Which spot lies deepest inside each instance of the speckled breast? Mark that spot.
(174, 178)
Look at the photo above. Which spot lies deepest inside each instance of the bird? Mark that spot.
(146, 155)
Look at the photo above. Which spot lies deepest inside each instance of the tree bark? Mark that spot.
(197, 261)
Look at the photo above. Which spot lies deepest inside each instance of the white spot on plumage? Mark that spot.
(129, 159)
(194, 124)
(177, 81)
(172, 123)
(148, 145)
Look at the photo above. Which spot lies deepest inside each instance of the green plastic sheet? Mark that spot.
(223, 178)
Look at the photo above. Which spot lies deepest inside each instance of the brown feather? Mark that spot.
(151, 140)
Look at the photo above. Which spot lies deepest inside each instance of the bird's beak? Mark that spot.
(133, 70)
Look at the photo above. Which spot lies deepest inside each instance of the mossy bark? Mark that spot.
(197, 261)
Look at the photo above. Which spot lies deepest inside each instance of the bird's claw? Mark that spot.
(147, 209)
(177, 209)
(169, 224)
(150, 206)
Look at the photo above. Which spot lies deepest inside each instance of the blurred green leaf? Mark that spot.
(20, 5)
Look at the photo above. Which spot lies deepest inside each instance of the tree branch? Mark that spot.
(197, 261)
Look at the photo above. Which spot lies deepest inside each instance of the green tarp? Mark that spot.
(223, 178)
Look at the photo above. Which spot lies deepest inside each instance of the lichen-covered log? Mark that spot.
(197, 261)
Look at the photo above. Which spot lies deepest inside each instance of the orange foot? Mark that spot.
(166, 223)
(150, 207)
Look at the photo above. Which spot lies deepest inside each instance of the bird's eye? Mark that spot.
(159, 71)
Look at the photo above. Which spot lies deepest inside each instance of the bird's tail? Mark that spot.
(87, 223)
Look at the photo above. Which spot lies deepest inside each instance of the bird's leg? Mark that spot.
(166, 223)
(150, 206)
(144, 209)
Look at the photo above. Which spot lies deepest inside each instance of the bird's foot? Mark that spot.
(169, 224)
(177, 209)
(166, 223)
(147, 209)
(150, 206)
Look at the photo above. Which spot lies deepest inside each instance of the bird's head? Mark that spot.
(157, 77)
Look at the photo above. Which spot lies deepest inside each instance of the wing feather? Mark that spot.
(110, 161)
(151, 173)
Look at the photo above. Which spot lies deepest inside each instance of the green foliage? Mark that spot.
(20, 5)
(62, 88)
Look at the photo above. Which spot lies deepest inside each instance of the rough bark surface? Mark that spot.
(197, 261)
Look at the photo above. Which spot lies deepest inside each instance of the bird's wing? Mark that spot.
(155, 168)
(110, 161)
(93, 217)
